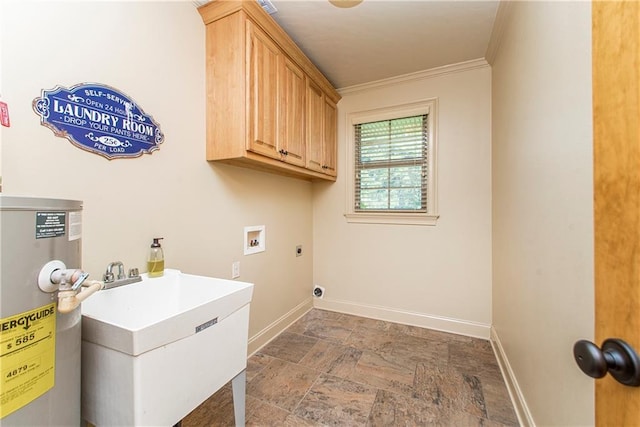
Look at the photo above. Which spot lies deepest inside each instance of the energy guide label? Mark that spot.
(27, 357)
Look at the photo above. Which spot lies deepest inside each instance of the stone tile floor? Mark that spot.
(341, 370)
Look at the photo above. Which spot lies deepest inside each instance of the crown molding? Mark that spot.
(504, 8)
(418, 75)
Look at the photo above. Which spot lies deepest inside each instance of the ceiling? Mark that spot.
(379, 39)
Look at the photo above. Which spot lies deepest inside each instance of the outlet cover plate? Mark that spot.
(235, 270)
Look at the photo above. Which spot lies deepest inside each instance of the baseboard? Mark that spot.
(440, 323)
(519, 404)
(263, 337)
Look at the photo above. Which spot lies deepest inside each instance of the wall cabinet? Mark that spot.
(264, 57)
(268, 106)
(321, 131)
(330, 137)
(292, 109)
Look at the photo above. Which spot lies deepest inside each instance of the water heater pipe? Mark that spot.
(69, 300)
(54, 276)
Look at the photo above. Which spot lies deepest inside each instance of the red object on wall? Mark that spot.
(4, 114)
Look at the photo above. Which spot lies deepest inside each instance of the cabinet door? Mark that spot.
(315, 111)
(264, 56)
(292, 95)
(329, 142)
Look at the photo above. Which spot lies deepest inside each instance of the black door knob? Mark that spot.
(616, 357)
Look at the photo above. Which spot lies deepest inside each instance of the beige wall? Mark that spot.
(542, 205)
(436, 276)
(153, 52)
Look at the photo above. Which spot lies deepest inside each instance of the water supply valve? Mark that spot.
(55, 275)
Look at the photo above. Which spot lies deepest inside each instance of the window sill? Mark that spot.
(392, 218)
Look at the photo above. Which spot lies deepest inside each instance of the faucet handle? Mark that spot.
(134, 272)
(80, 281)
(108, 277)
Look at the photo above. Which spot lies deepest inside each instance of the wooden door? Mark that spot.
(264, 56)
(616, 118)
(315, 106)
(329, 141)
(292, 97)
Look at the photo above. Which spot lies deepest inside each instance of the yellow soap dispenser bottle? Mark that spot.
(155, 262)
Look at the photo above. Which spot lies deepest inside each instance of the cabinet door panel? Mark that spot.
(263, 92)
(329, 143)
(292, 138)
(314, 127)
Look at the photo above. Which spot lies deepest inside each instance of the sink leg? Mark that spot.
(238, 384)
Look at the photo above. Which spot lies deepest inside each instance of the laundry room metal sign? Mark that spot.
(100, 119)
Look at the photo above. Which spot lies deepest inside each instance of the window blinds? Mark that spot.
(391, 165)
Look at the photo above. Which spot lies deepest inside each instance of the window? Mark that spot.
(392, 155)
(391, 165)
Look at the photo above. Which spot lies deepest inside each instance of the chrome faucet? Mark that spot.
(108, 276)
(112, 281)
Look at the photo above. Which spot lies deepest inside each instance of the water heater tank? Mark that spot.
(39, 347)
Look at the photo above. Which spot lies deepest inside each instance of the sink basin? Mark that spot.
(142, 316)
(152, 351)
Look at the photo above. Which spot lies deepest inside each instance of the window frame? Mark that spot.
(430, 217)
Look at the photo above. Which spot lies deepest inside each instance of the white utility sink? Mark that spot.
(152, 351)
